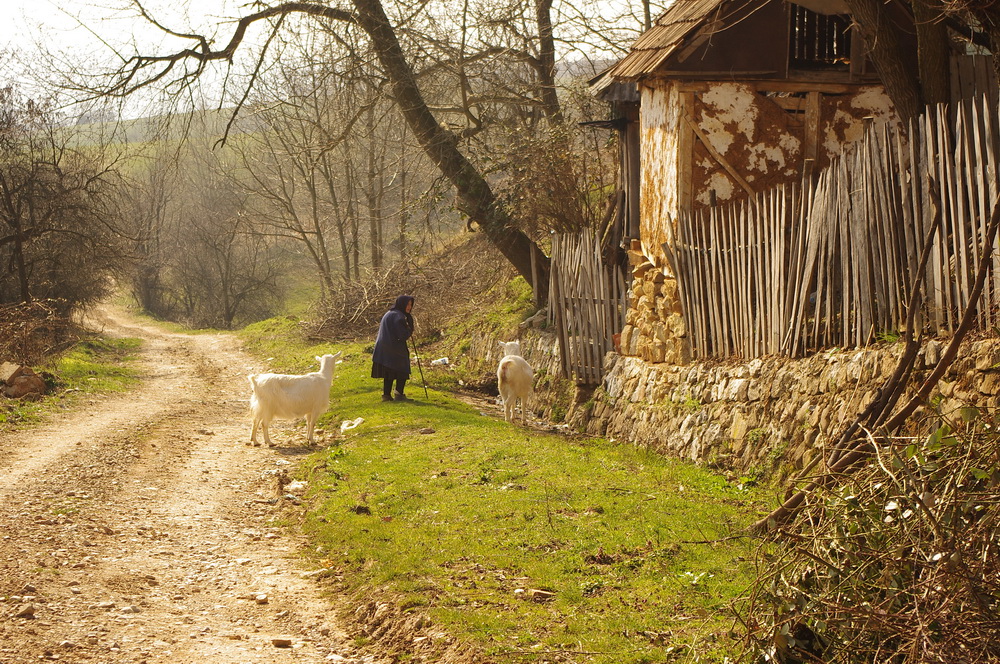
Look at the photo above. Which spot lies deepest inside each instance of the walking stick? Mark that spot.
(419, 368)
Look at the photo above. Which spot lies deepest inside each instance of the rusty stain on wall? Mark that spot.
(659, 120)
(755, 137)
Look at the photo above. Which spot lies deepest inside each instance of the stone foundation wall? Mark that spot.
(769, 414)
(772, 413)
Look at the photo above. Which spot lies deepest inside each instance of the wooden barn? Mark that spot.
(722, 99)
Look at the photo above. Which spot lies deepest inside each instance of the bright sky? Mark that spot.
(82, 33)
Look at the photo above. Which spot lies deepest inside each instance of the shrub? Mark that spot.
(896, 564)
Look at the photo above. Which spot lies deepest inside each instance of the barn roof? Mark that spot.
(688, 23)
(664, 38)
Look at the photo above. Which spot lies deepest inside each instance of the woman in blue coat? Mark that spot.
(391, 359)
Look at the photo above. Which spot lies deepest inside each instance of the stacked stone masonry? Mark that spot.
(768, 413)
(654, 328)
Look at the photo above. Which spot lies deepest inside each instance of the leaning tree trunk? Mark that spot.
(476, 198)
(900, 80)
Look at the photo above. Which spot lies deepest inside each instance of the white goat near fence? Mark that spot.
(289, 397)
(514, 380)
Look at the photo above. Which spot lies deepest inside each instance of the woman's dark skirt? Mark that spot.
(382, 371)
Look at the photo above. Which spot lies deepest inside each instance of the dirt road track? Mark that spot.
(138, 528)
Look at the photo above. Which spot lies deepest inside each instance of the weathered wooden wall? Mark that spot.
(832, 263)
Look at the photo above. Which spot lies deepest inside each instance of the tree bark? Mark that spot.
(901, 82)
(547, 62)
(933, 51)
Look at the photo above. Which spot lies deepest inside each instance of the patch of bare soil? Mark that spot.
(139, 528)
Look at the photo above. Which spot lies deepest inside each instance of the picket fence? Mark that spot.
(831, 263)
(586, 304)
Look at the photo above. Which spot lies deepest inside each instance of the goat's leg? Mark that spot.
(253, 432)
(267, 438)
(310, 425)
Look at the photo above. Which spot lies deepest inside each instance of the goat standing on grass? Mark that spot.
(290, 397)
(514, 380)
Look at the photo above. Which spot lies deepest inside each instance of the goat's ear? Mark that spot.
(503, 344)
(318, 358)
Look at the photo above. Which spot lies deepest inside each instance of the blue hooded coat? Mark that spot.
(391, 352)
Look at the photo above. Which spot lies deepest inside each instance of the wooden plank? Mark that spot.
(959, 246)
(967, 186)
(991, 137)
(977, 157)
(811, 136)
(719, 340)
(703, 287)
(937, 262)
(737, 329)
(733, 173)
(753, 219)
(556, 270)
(801, 269)
(745, 280)
(846, 268)
(779, 268)
(712, 289)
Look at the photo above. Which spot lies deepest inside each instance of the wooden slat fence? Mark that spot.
(586, 303)
(830, 263)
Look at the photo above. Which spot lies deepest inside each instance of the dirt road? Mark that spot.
(139, 528)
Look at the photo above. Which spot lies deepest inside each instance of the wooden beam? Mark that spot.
(811, 140)
(717, 156)
(685, 155)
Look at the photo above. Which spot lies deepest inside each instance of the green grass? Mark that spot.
(456, 521)
(93, 365)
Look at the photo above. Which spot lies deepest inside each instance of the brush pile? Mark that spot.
(31, 331)
(444, 283)
(897, 562)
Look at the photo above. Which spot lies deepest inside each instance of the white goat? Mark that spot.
(290, 397)
(514, 380)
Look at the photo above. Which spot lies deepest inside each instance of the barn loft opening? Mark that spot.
(819, 41)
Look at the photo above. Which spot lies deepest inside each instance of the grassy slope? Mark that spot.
(453, 513)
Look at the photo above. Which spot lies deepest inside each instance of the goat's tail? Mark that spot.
(253, 382)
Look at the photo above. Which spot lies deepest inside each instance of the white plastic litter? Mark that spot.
(441, 361)
(347, 425)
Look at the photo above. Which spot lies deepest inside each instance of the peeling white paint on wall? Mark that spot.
(731, 104)
(716, 132)
(790, 144)
(871, 101)
(874, 100)
(760, 156)
(851, 129)
(723, 187)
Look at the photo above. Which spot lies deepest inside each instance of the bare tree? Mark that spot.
(225, 271)
(59, 230)
(148, 197)
(476, 198)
